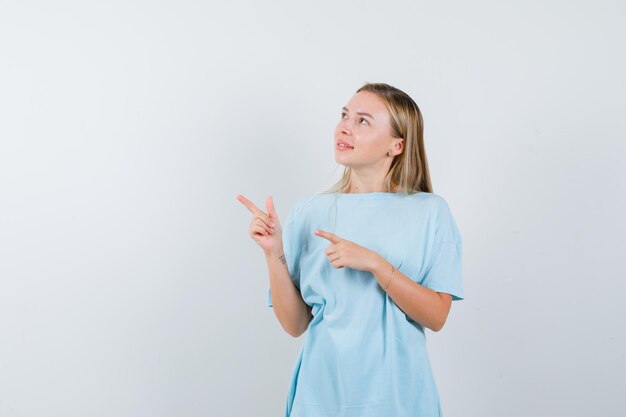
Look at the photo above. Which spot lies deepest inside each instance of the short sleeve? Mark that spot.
(444, 272)
(292, 246)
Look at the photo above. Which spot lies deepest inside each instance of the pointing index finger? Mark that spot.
(254, 209)
(333, 238)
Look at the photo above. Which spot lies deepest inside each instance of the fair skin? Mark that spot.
(364, 125)
(425, 306)
(370, 135)
(289, 307)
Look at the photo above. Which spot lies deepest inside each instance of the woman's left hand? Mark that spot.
(343, 252)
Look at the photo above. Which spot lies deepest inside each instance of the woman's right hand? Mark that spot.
(265, 228)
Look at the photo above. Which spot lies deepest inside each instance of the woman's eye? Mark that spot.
(361, 119)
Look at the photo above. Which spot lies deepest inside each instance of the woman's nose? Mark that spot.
(344, 126)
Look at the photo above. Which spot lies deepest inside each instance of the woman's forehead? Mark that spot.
(366, 102)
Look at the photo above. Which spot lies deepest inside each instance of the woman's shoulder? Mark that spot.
(436, 199)
(432, 199)
(301, 204)
(311, 205)
(433, 205)
(311, 202)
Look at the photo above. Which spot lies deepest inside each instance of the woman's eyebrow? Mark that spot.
(359, 112)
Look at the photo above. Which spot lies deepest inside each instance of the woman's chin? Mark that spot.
(340, 161)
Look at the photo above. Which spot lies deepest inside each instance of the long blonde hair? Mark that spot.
(409, 170)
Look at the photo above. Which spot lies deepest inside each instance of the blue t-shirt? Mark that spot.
(363, 356)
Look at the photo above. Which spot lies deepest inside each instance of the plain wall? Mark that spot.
(128, 283)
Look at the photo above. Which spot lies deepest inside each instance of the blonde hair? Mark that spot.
(409, 170)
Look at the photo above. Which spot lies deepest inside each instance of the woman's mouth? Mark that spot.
(343, 147)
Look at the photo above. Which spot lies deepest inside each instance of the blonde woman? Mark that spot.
(365, 267)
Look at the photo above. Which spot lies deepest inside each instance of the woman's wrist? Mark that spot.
(383, 271)
(379, 266)
(275, 253)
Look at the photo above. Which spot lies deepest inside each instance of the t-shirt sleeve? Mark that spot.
(444, 273)
(292, 246)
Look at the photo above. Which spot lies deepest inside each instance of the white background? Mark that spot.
(128, 283)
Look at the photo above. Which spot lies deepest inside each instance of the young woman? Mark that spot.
(365, 267)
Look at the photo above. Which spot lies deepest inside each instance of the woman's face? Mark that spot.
(364, 125)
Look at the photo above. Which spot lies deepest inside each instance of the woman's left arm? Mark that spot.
(425, 306)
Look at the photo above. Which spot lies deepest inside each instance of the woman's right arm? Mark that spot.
(290, 309)
(292, 312)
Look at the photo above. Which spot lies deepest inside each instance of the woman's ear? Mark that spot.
(399, 145)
